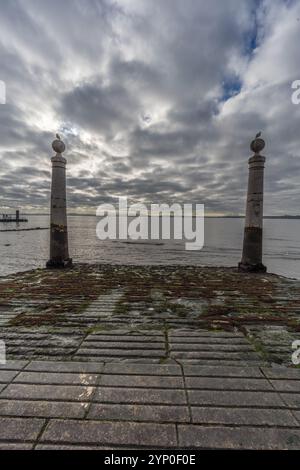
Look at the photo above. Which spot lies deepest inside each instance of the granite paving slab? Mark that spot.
(51, 405)
(114, 357)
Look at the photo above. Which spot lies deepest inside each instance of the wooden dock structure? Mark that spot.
(13, 218)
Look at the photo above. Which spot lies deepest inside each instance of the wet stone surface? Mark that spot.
(150, 314)
(139, 357)
(112, 405)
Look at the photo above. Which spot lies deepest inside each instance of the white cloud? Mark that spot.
(141, 91)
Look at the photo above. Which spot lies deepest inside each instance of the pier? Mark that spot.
(139, 357)
(6, 218)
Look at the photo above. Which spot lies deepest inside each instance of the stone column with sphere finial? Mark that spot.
(59, 252)
(253, 234)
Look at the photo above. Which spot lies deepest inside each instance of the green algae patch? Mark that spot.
(154, 298)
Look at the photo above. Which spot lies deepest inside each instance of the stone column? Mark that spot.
(253, 234)
(59, 252)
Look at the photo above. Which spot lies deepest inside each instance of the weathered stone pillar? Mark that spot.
(59, 252)
(252, 247)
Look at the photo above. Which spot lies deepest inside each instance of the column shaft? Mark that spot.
(59, 252)
(253, 234)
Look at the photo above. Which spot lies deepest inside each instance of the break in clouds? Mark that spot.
(157, 100)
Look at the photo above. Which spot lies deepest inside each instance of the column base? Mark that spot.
(251, 268)
(54, 264)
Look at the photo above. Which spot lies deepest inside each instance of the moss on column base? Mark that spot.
(59, 264)
(251, 268)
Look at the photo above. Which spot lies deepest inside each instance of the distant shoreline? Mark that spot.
(284, 217)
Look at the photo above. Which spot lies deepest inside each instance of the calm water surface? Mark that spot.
(20, 251)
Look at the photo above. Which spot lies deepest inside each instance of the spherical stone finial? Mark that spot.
(58, 145)
(258, 144)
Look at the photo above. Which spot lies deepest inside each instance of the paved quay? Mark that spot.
(114, 357)
(59, 405)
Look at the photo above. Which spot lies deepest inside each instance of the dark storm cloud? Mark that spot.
(155, 100)
(102, 109)
(192, 114)
(157, 143)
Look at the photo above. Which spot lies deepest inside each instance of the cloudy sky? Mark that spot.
(156, 100)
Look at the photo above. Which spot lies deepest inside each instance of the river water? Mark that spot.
(20, 251)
